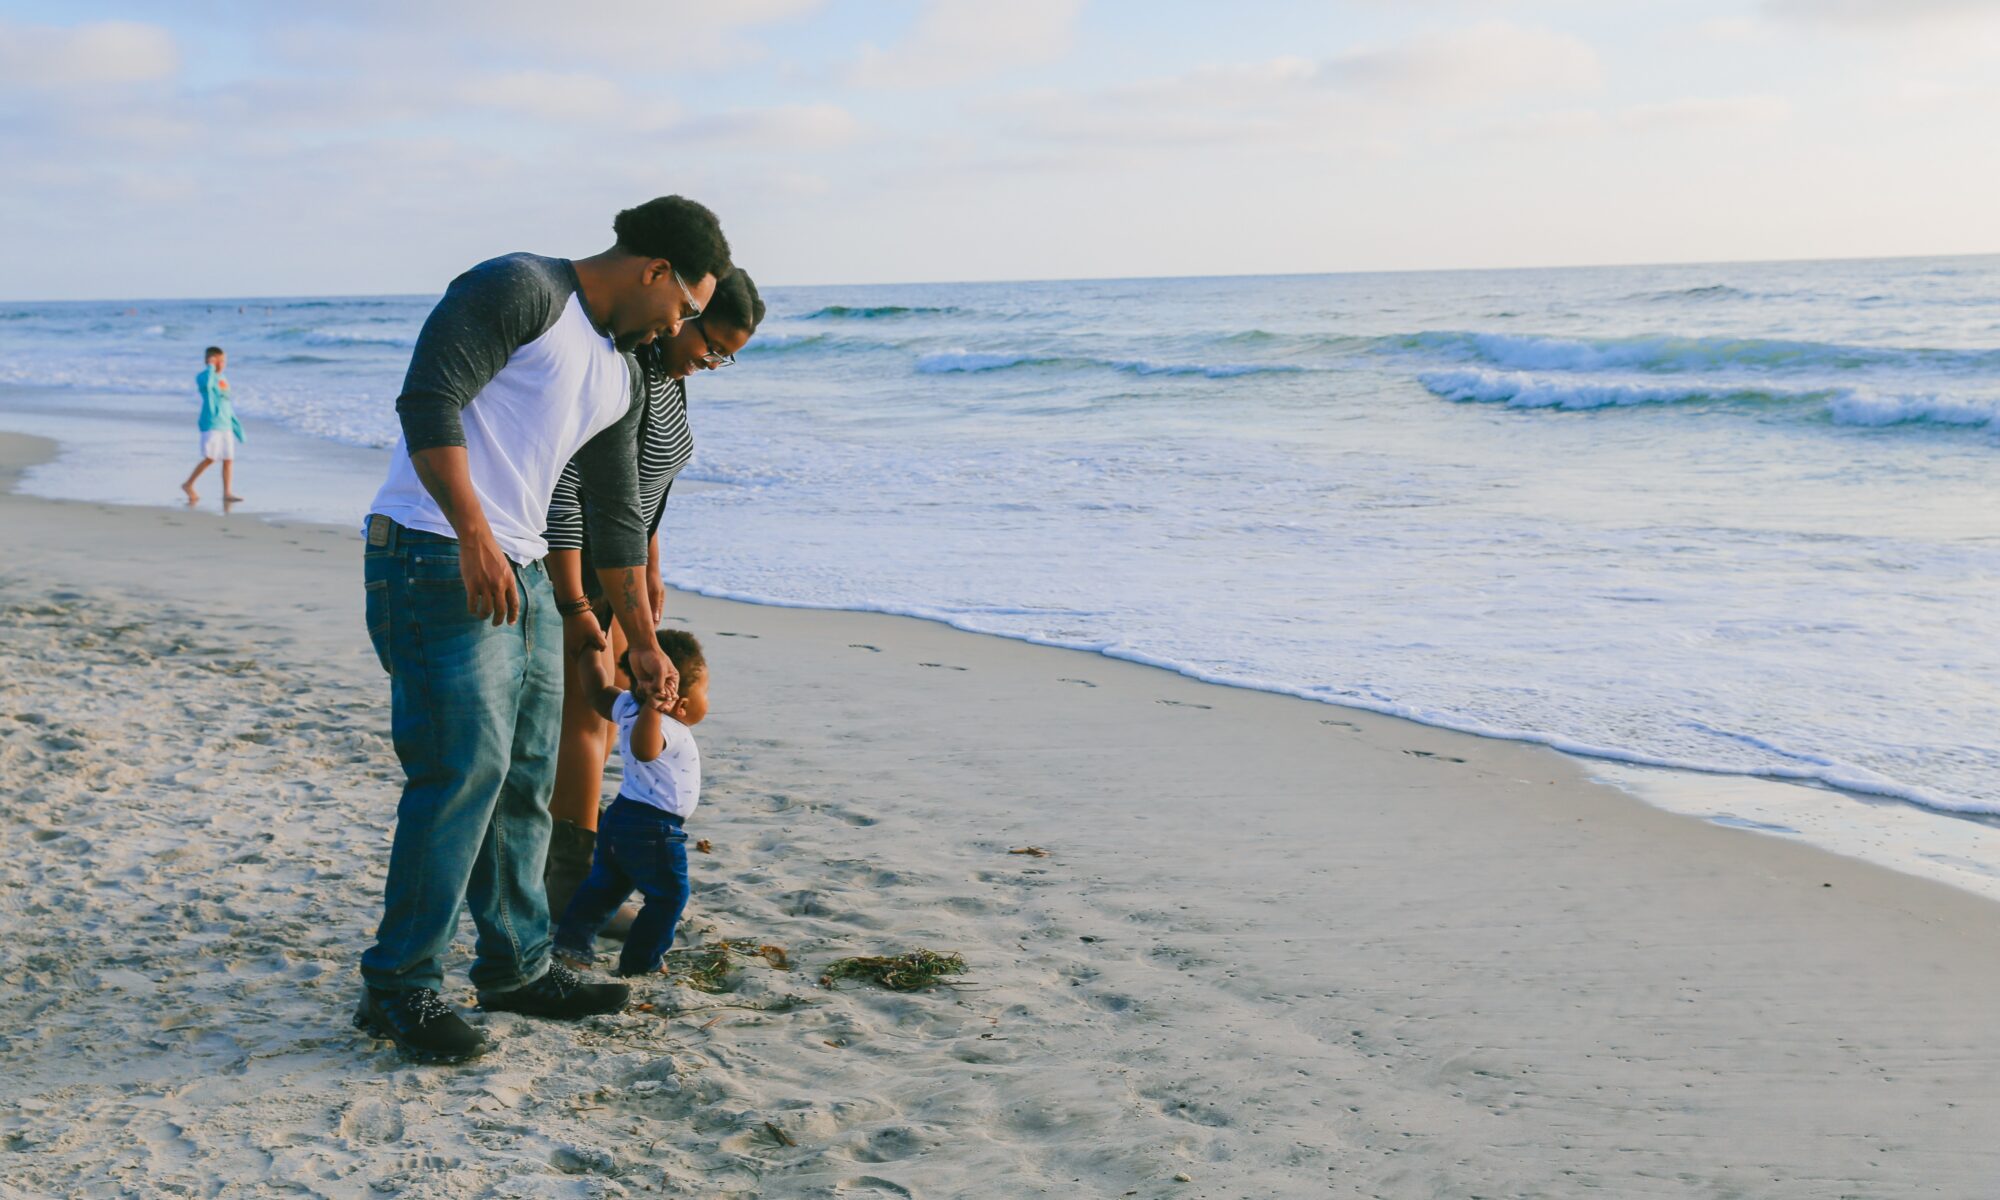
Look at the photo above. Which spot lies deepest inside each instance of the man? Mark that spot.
(524, 363)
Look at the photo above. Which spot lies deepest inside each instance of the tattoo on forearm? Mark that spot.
(631, 585)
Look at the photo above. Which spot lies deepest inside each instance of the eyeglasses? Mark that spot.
(711, 359)
(693, 310)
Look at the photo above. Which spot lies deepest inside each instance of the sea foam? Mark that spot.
(1520, 390)
(1669, 354)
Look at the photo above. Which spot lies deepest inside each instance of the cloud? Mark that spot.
(1731, 29)
(1920, 36)
(675, 36)
(1877, 12)
(82, 56)
(1357, 100)
(1707, 111)
(957, 40)
(1478, 63)
(1721, 113)
(1942, 96)
(551, 95)
(779, 127)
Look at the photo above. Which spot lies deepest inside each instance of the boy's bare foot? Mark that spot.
(234, 499)
(193, 498)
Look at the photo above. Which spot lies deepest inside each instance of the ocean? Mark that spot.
(1730, 518)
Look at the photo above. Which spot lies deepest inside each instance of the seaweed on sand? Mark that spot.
(708, 968)
(912, 972)
(705, 969)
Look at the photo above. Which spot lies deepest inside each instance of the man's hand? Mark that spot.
(490, 590)
(654, 680)
(582, 634)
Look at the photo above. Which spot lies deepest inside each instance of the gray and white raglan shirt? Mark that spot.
(509, 366)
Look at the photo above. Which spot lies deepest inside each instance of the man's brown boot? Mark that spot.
(571, 848)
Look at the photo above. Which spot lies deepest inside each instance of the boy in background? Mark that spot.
(641, 841)
(220, 430)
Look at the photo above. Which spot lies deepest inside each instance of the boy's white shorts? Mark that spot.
(218, 443)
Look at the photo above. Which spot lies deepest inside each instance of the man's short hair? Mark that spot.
(211, 352)
(679, 230)
(736, 304)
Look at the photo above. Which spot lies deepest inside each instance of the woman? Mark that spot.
(706, 343)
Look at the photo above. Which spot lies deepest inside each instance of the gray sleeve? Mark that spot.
(607, 468)
(486, 314)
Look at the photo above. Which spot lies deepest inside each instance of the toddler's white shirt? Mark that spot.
(673, 780)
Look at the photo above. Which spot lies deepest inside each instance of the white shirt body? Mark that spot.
(555, 393)
(673, 780)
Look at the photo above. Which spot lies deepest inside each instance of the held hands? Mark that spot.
(490, 590)
(654, 680)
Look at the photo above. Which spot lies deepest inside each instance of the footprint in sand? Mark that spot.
(1428, 754)
(942, 666)
(870, 1185)
(1342, 724)
(889, 1145)
(1078, 682)
(1185, 704)
(864, 646)
(726, 633)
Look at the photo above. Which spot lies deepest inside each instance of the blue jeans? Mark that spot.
(638, 846)
(475, 713)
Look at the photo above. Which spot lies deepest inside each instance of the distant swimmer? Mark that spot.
(220, 430)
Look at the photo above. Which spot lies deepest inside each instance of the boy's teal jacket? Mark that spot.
(215, 408)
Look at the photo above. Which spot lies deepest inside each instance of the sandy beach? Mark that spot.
(1274, 949)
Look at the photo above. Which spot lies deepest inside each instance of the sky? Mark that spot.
(239, 148)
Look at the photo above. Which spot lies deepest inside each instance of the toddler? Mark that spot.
(640, 840)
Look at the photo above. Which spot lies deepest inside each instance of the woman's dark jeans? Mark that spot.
(638, 846)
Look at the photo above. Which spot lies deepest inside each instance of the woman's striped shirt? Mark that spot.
(665, 445)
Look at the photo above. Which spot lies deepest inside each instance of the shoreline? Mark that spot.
(1276, 947)
(1887, 828)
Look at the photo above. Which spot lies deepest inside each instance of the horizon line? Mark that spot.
(1581, 266)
